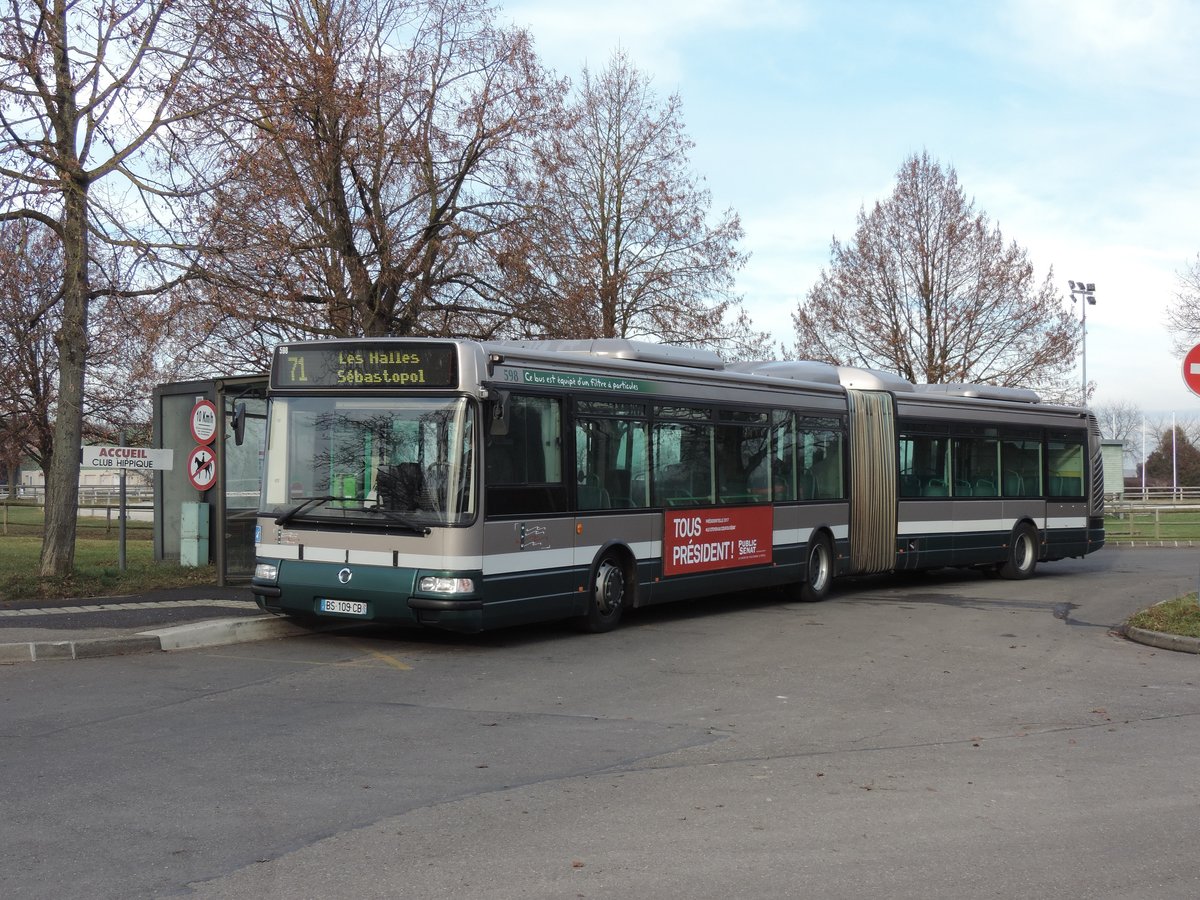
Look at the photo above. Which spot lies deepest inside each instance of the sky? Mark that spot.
(1072, 124)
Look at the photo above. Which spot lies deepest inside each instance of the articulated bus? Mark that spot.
(470, 485)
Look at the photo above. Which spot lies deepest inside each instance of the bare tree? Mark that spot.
(30, 278)
(1183, 316)
(123, 335)
(370, 171)
(1123, 421)
(928, 289)
(86, 90)
(622, 244)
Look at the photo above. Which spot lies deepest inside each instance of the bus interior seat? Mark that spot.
(401, 485)
(985, 487)
(910, 486)
(1065, 486)
(1013, 485)
(530, 431)
(437, 481)
(826, 473)
(619, 494)
(501, 467)
(935, 487)
(591, 495)
(962, 488)
(808, 485)
(672, 480)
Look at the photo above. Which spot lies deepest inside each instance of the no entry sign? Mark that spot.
(1191, 370)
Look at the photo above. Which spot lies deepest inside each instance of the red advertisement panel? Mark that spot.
(699, 540)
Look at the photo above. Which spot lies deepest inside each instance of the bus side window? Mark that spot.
(1021, 468)
(524, 466)
(610, 454)
(924, 466)
(1064, 461)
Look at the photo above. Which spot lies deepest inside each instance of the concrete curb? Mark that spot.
(86, 648)
(1163, 641)
(209, 633)
(215, 632)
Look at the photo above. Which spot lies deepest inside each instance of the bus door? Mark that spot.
(528, 532)
(612, 487)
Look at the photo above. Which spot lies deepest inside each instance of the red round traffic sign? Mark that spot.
(202, 468)
(204, 421)
(1191, 370)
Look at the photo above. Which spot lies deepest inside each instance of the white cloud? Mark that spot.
(569, 35)
(1150, 43)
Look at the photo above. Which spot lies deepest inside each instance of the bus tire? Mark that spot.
(818, 574)
(610, 594)
(1022, 554)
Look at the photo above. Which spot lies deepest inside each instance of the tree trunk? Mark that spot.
(62, 472)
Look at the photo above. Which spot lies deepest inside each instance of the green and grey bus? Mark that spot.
(471, 485)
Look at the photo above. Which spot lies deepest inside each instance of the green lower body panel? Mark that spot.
(377, 594)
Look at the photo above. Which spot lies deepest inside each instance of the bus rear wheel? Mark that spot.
(1022, 554)
(609, 595)
(818, 574)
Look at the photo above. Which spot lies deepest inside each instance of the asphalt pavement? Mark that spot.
(175, 619)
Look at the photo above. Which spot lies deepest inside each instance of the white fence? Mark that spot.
(88, 494)
(1155, 495)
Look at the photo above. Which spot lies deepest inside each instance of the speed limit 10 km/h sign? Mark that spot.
(1191, 370)
(204, 422)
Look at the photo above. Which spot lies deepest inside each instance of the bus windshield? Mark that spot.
(402, 462)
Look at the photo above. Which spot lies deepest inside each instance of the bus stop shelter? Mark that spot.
(204, 508)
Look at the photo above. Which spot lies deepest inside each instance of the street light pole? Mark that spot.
(1086, 293)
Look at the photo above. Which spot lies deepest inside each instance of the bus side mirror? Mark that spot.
(239, 423)
(498, 424)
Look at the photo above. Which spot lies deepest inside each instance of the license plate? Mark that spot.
(343, 607)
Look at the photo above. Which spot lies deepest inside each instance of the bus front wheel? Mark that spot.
(1022, 553)
(818, 574)
(609, 595)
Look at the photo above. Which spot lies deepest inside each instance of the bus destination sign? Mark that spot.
(369, 365)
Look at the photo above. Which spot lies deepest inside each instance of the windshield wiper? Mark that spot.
(302, 507)
(399, 520)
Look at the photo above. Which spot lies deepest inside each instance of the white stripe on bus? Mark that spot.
(568, 557)
(278, 551)
(369, 557)
(324, 554)
(965, 526)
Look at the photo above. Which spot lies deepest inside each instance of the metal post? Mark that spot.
(1086, 293)
(1083, 357)
(1174, 464)
(121, 514)
(1143, 458)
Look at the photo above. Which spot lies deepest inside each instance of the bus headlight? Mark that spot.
(266, 571)
(440, 584)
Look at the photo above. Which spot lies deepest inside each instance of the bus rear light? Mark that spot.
(437, 584)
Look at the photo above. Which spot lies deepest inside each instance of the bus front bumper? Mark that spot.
(374, 594)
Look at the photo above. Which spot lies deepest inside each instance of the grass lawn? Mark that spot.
(96, 560)
(1179, 616)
